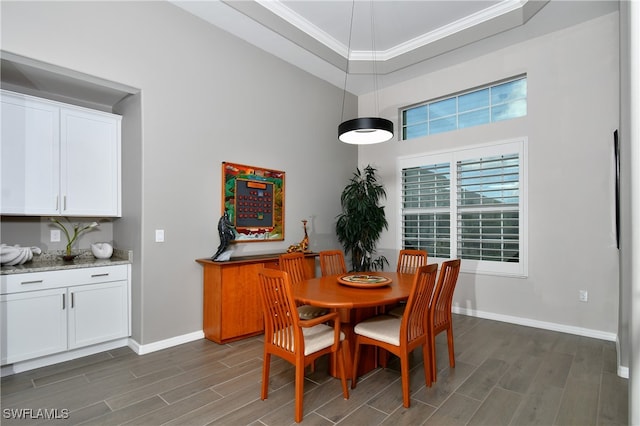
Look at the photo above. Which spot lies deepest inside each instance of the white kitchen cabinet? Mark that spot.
(30, 149)
(98, 313)
(34, 324)
(45, 313)
(59, 159)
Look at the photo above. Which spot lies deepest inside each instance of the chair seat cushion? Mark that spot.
(382, 327)
(306, 312)
(316, 338)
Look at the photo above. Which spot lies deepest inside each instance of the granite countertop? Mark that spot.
(52, 261)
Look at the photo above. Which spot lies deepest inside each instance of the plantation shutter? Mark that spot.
(426, 217)
(488, 197)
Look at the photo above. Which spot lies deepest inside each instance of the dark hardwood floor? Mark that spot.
(505, 375)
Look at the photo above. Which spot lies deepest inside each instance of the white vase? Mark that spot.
(102, 250)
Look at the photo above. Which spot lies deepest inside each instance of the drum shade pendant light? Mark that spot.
(364, 130)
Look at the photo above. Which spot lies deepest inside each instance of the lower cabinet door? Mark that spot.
(98, 313)
(33, 324)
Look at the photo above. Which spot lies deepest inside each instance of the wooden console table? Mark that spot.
(232, 309)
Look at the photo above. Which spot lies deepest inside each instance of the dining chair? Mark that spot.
(440, 314)
(332, 263)
(408, 262)
(400, 336)
(299, 342)
(296, 266)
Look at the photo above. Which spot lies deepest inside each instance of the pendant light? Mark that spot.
(364, 130)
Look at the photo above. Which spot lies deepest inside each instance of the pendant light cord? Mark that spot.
(346, 72)
(375, 63)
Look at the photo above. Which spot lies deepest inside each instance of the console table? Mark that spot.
(232, 309)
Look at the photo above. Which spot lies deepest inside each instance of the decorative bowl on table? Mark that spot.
(363, 280)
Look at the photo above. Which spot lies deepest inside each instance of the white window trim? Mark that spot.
(519, 145)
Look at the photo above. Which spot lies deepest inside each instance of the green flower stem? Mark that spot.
(77, 231)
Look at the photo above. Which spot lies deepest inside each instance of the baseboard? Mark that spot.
(19, 367)
(563, 328)
(622, 370)
(164, 344)
(44, 361)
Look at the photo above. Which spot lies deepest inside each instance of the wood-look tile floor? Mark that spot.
(505, 375)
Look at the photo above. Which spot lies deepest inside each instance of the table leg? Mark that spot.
(368, 354)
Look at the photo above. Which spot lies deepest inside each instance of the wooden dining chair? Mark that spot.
(296, 266)
(297, 341)
(409, 260)
(332, 263)
(400, 336)
(440, 315)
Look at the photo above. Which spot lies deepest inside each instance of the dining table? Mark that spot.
(356, 296)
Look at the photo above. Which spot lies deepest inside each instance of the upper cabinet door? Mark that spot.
(58, 159)
(30, 153)
(90, 163)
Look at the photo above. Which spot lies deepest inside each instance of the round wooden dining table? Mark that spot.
(354, 303)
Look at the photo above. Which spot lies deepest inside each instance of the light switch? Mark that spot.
(159, 235)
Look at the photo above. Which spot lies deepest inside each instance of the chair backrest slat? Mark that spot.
(295, 265)
(332, 263)
(280, 314)
(447, 280)
(414, 320)
(410, 260)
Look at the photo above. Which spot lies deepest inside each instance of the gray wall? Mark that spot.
(205, 97)
(573, 109)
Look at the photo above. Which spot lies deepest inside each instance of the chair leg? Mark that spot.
(434, 367)
(299, 392)
(354, 369)
(343, 377)
(348, 362)
(404, 373)
(426, 362)
(266, 363)
(452, 356)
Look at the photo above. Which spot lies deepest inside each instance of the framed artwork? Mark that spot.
(253, 198)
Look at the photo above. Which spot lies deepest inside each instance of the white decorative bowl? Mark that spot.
(102, 250)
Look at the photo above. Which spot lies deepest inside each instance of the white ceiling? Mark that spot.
(410, 39)
(315, 34)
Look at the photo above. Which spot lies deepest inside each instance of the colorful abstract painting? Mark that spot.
(253, 198)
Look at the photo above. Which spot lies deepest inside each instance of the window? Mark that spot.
(489, 104)
(468, 204)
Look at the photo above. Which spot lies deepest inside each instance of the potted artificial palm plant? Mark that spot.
(362, 220)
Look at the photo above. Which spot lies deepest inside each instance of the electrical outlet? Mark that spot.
(583, 296)
(55, 235)
(159, 235)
